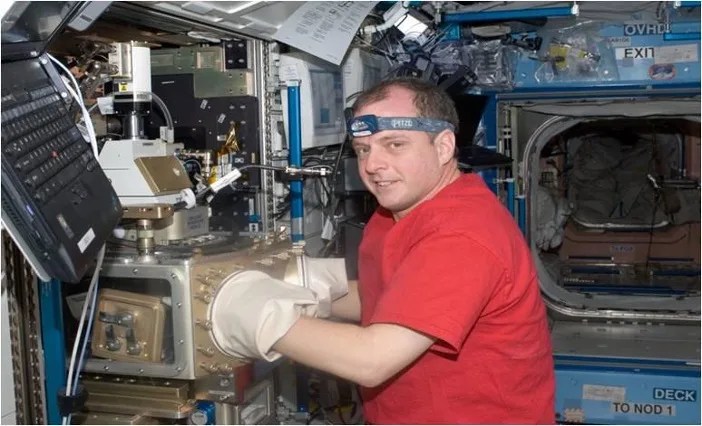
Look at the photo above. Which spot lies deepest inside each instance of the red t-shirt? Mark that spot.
(457, 268)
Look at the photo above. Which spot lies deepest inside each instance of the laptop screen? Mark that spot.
(29, 26)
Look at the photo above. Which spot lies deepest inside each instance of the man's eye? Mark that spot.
(361, 150)
(396, 145)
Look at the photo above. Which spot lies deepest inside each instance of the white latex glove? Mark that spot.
(326, 277)
(252, 310)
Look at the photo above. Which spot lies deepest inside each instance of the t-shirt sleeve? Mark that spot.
(440, 289)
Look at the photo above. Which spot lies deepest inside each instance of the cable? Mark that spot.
(164, 110)
(68, 73)
(86, 115)
(90, 299)
(88, 123)
(650, 231)
(81, 360)
(384, 52)
(194, 161)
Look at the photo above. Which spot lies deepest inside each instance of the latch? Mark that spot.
(124, 319)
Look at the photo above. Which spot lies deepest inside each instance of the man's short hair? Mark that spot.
(429, 100)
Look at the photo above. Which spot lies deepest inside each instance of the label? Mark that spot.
(84, 242)
(203, 104)
(123, 87)
(634, 53)
(620, 41)
(221, 118)
(684, 395)
(604, 393)
(643, 28)
(643, 408)
(195, 223)
(676, 54)
(289, 72)
(66, 228)
(621, 248)
(198, 417)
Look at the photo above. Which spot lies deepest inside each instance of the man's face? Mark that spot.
(402, 168)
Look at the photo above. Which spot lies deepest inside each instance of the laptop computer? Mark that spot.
(57, 204)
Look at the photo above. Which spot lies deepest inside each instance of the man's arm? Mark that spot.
(349, 306)
(365, 355)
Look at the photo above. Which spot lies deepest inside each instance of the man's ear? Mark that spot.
(445, 143)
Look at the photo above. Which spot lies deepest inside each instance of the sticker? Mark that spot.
(199, 417)
(289, 72)
(645, 409)
(221, 118)
(123, 87)
(621, 248)
(634, 53)
(203, 104)
(643, 28)
(574, 415)
(684, 395)
(661, 71)
(86, 240)
(64, 225)
(676, 54)
(604, 393)
(620, 41)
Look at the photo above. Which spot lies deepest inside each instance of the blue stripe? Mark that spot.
(295, 125)
(661, 362)
(50, 304)
(505, 15)
(629, 370)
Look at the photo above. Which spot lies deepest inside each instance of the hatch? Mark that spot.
(613, 206)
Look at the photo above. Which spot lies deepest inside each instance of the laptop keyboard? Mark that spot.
(42, 143)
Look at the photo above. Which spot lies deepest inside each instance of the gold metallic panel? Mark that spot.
(98, 418)
(138, 396)
(128, 326)
(207, 275)
(164, 174)
(152, 211)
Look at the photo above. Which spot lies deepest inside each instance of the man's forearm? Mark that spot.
(364, 355)
(349, 306)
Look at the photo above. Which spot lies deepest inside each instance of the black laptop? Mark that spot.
(57, 204)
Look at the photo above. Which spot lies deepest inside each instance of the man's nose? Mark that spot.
(374, 161)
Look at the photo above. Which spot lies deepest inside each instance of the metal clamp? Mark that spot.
(124, 319)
